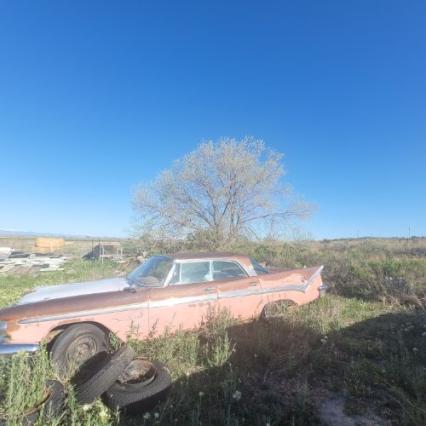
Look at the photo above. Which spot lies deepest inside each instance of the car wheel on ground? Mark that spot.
(75, 345)
(99, 373)
(142, 385)
(51, 406)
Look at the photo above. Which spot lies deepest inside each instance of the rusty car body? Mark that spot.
(165, 292)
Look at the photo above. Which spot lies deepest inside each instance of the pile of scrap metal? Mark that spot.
(111, 250)
(20, 262)
(5, 252)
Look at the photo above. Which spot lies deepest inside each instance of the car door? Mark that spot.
(238, 292)
(187, 298)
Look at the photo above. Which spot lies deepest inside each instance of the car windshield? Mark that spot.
(152, 273)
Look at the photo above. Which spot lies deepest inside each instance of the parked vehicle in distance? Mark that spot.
(165, 292)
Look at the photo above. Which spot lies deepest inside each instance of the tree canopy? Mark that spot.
(223, 190)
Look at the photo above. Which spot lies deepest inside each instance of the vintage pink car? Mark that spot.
(165, 292)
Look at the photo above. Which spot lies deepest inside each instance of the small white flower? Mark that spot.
(103, 415)
(323, 341)
(86, 407)
(156, 415)
(237, 395)
(200, 394)
(147, 416)
(424, 334)
(415, 349)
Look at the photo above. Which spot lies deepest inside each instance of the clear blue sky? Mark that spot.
(96, 96)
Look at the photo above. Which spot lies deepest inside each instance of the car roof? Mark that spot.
(209, 255)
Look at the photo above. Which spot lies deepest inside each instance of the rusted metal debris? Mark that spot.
(105, 250)
(5, 252)
(26, 262)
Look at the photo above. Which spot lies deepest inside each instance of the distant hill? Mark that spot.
(30, 234)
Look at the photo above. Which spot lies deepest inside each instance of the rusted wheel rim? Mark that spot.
(138, 371)
(83, 348)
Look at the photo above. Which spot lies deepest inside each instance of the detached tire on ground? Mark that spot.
(75, 345)
(139, 394)
(51, 406)
(99, 373)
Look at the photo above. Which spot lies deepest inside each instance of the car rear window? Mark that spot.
(223, 269)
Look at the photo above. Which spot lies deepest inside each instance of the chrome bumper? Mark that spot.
(13, 348)
(323, 289)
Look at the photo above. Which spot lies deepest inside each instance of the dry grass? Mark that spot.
(369, 349)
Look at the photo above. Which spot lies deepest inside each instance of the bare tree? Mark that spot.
(223, 189)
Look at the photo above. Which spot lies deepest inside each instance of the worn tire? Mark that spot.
(51, 407)
(99, 373)
(66, 352)
(139, 397)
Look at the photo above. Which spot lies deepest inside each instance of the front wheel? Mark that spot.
(75, 345)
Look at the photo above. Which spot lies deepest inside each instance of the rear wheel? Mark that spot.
(276, 309)
(75, 345)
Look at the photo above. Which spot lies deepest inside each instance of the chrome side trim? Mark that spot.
(180, 300)
(257, 291)
(289, 287)
(323, 289)
(152, 304)
(70, 315)
(13, 348)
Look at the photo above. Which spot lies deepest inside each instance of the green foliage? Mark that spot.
(364, 343)
(367, 269)
(19, 389)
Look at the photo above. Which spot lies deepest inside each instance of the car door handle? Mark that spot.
(253, 283)
(210, 289)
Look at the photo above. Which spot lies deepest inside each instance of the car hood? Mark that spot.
(41, 294)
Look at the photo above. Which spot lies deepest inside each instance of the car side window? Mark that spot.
(194, 272)
(259, 269)
(223, 270)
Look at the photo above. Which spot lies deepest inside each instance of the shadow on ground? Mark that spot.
(283, 372)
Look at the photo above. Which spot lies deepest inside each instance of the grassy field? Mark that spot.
(357, 355)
